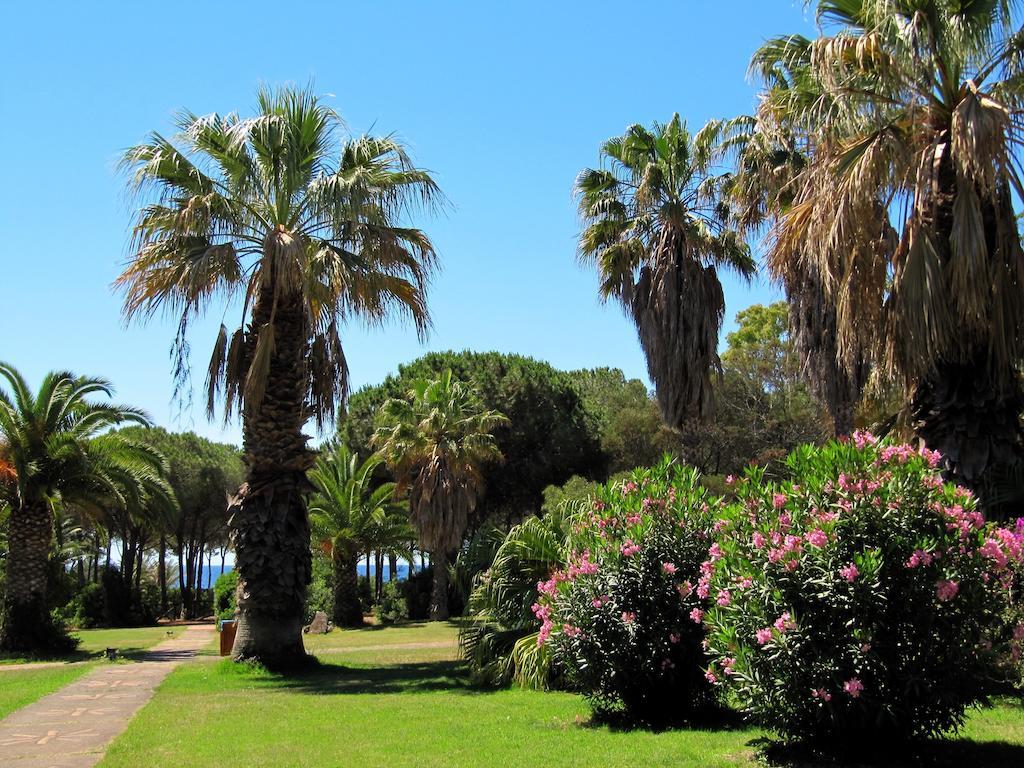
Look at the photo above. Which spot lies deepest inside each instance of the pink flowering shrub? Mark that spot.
(619, 619)
(874, 597)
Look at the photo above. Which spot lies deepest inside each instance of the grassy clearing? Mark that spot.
(21, 687)
(129, 641)
(376, 701)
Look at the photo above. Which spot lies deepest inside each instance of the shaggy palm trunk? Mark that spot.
(960, 412)
(269, 524)
(25, 624)
(678, 306)
(439, 593)
(347, 610)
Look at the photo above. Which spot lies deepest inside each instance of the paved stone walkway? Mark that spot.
(72, 727)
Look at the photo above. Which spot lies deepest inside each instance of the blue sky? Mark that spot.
(505, 103)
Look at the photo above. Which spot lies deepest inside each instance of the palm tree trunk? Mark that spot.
(392, 566)
(347, 610)
(269, 523)
(439, 594)
(960, 412)
(161, 574)
(25, 624)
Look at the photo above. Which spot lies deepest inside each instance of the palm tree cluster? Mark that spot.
(59, 457)
(882, 162)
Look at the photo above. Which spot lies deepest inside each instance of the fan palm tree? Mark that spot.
(436, 441)
(307, 229)
(918, 124)
(54, 447)
(351, 512)
(657, 226)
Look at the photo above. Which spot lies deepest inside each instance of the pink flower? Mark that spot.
(724, 597)
(946, 590)
(784, 623)
(669, 568)
(817, 538)
(570, 631)
(764, 636)
(628, 617)
(779, 500)
(715, 553)
(759, 540)
(629, 548)
(863, 439)
(727, 664)
(821, 693)
(710, 676)
(696, 615)
(730, 480)
(674, 638)
(684, 589)
(849, 572)
(853, 687)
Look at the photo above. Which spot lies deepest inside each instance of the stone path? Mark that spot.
(72, 727)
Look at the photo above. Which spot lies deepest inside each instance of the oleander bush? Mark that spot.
(623, 618)
(863, 599)
(392, 606)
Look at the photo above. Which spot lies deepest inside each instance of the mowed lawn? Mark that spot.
(398, 695)
(23, 686)
(129, 641)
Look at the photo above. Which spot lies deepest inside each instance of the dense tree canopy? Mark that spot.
(550, 434)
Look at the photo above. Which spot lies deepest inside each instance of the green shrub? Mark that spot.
(224, 600)
(392, 606)
(861, 600)
(320, 595)
(622, 618)
(88, 609)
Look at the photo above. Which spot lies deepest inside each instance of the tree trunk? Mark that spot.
(161, 574)
(269, 523)
(186, 602)
(25, 624)
(960, 413)
(378, 576)
(392, 566)
(347, 610)
(439, 594)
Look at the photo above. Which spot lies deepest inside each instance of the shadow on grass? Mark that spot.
(715, 718)
(338, 679)
(938, 753)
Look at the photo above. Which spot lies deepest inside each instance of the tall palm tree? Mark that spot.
(657, 226)
(919, 123)
(306, 227)
(55, 444)
(351, 512)
(436, 440)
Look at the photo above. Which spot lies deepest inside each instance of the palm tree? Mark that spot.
(350, 513)
(918, 124)
(436, 441)
(656, 225)
(307, 229)
(53, 445)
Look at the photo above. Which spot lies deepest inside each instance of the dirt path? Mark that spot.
(73, 727)
(393, 647)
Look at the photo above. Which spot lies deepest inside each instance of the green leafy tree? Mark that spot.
(550, 436)
(203, 475)
(437, 440)
(632, 432)
(352, 512)
(55, 444)
(307, 229)
(657, 226)
(913, 121)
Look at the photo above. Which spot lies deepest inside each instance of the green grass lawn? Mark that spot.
(130, 641)
(376, 703)
(23, 686)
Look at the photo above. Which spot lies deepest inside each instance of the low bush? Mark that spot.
(224, 599)
(623, 617)
(88, 609)
(862, 600)
(392, 606)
